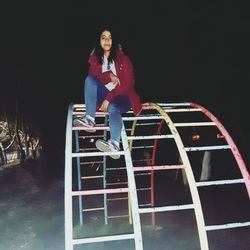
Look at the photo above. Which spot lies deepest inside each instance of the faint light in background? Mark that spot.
(196, 136)
(219, 136)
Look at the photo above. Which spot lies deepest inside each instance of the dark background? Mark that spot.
(194, 51)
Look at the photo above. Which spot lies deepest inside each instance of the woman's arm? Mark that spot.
(126, 76)
(95, 69)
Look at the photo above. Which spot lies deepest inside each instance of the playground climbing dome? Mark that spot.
(179, 138)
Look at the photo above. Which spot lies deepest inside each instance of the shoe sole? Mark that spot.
(105, 148)
(78, 124)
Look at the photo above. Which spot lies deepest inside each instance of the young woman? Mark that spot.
(109, 87)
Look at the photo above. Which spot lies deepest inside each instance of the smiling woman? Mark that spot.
(109, 86)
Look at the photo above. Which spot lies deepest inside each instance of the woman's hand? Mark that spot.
(104, 106)
(114, 79)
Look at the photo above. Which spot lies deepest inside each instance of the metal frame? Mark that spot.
(164, 109)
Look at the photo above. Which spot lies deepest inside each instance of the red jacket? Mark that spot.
(124, 71)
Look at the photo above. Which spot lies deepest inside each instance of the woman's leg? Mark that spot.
(119, 105)
(94, 92)
(116, 107)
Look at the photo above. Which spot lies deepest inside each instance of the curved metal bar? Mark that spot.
(234, 149)
(68, 213)
(152, 172)
(132, 191)
(104, 183)
(79, 181)
(147, 106)
(190, 177)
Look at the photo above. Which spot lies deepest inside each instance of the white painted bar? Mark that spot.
(91, 177)
(193, 124)
(141, 118)
(182, 110)
(203, 148)
(149, 137)
(228, 226)
(100, 191)
(219, 182)
(96, 154)
(103, 239)
(68, 214)
(132, 192)
(165, 209)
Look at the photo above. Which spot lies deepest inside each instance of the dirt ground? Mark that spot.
(32, 218)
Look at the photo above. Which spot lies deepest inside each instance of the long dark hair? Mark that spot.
(99, 49)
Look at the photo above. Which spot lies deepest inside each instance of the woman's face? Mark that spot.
(106, 41)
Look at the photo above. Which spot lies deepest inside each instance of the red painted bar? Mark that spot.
(163, 167)
(95, 128)
(234, 149)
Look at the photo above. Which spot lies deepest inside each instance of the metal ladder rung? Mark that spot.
(118, 199)
(145, 124)
(116, 183)
(149, 137)
(90, 162)
(175, 104)
(219, 182)
(93, 209)
(97, 114)
(227, 226)
(89, 136)
(152, 168)
(118, 216)
(113, 169)
(140, 147)
(182, 110)
(193, 124)
(87, 149)
(100, 191)
(91, 128)
(144, 174)
(143, 189)
(145, 117)
(79, 105)
(188, 149)
(97, 154)
(91, 177)
(145, 204)
(139, 160)
(103, 239)
(166, 208)
(163, 167)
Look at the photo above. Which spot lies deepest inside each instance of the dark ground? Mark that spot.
(31, 214)
(32, 217)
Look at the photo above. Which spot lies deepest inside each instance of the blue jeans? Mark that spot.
(94, 93)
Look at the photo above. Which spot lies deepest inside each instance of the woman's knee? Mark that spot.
(90, 80)
(113, 108)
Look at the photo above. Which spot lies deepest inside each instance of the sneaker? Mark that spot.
(108, 146)
(86, 122)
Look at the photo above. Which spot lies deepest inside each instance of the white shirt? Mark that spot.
(108, 67)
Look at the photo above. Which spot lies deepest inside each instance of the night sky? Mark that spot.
(195, 51)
